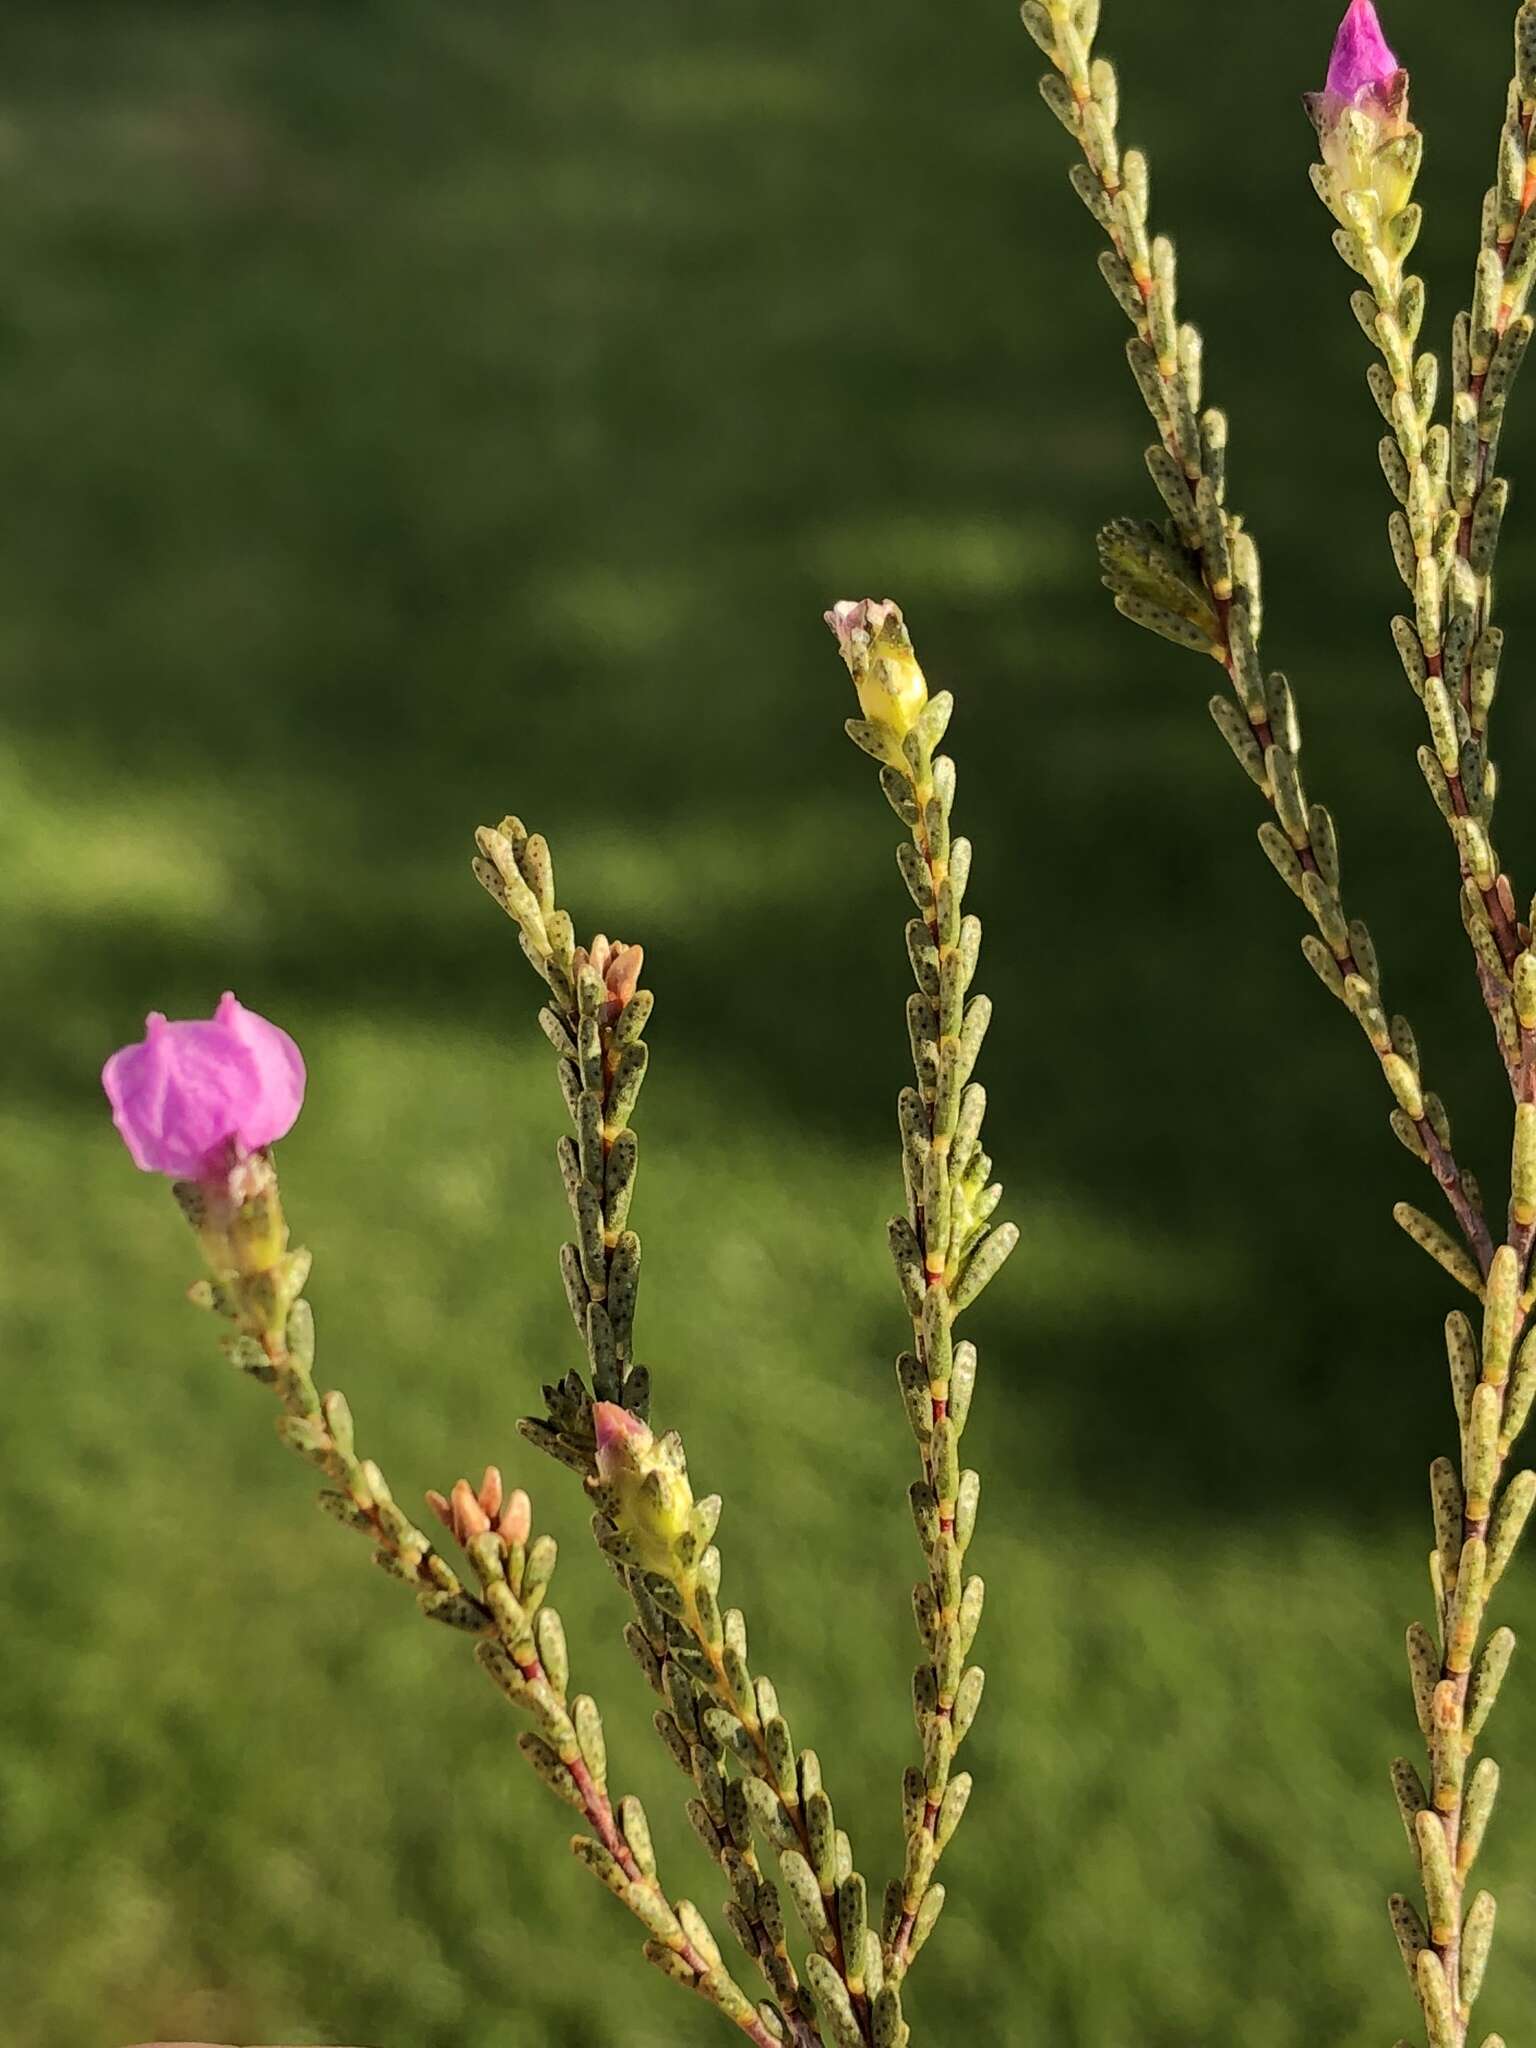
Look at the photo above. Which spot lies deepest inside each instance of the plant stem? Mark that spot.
(1167, 359)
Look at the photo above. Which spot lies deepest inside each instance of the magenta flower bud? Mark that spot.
(1362, 64)
(191, 1093)
(1370, 147)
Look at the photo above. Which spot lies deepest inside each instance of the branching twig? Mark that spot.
(715, 1710)
(1199, 586)
(520, 1637)
(946, 1247)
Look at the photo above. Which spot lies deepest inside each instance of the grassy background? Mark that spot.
(412, 408)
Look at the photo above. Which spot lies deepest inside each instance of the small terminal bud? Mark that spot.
(1362, 64)
(877, 647)
(1371, 149)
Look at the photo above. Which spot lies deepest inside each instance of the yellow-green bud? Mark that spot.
(653, 1500)
(877, 647)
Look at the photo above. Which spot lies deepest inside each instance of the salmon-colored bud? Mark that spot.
(617, 966)
(469, 1518)
(469, 1512)
(516, 1518)
(623, 974)
(598, 956)
(490, 1492)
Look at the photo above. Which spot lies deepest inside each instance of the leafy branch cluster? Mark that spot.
(1194, 578)
(830, 1966)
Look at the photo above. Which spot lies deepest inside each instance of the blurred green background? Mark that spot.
(416, 409)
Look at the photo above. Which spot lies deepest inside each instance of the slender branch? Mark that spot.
(1197, 584)
(694, 1655)
(520, 1637)
(698, 1722)
(1446, 527)
(1490, 343)
(1200, 587)
(945, 1246)
(595, 1020)
(1445, 537)
(1479, 1521)
(570, 1755)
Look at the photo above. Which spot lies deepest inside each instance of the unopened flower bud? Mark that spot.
(469, 1518)
(622, 1440)
(516, 1518)
(878, 650)
(1369, 144)
(653, 1502)
(617, 967)
(469, 1512)
(1362, 64)
(489, 1496)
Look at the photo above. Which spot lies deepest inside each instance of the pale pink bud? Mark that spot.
(596, 955)
(191, 1091)
(490, 1492)
(620, 1437)
(852, 617)
(516, 1518)
(617, 966)
(623, 974)
(469, 1518)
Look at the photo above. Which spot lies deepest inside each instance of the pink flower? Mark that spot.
(1363, 65)
(190, 1091)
